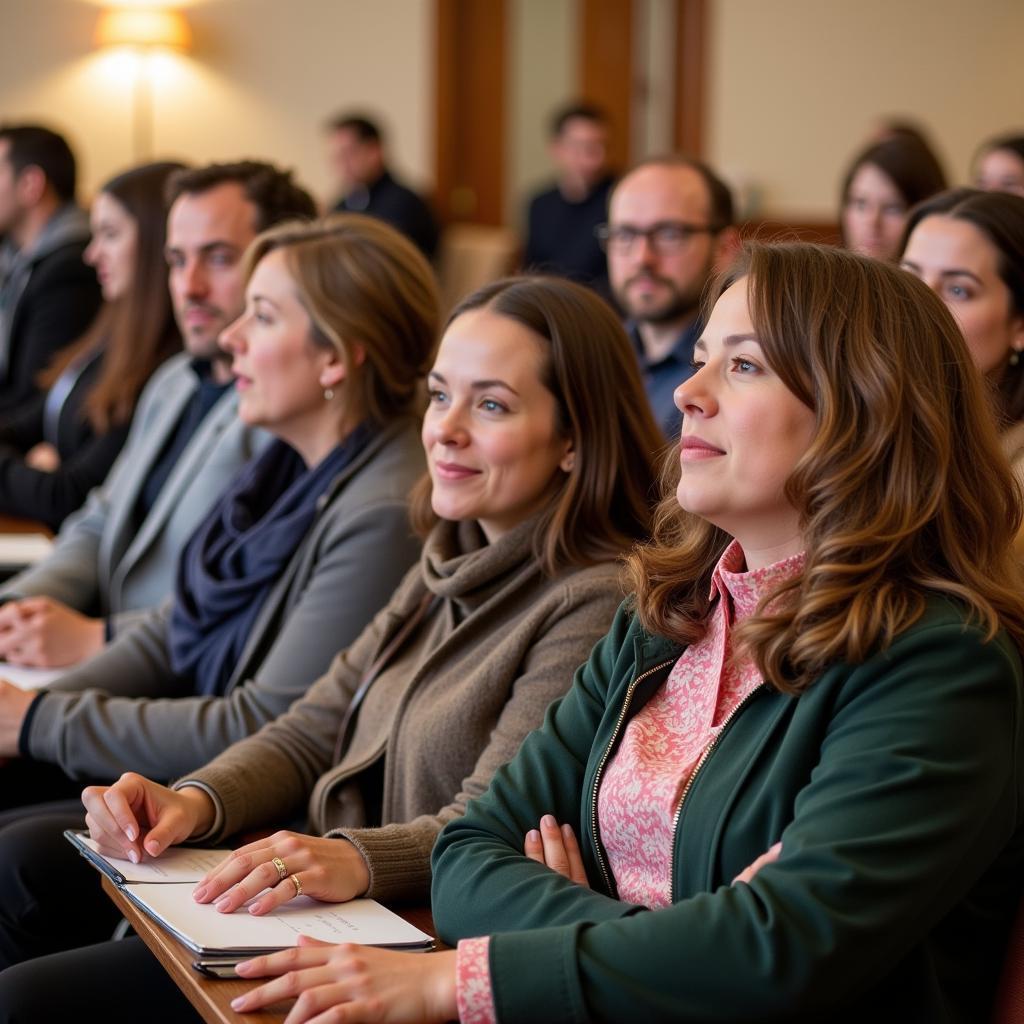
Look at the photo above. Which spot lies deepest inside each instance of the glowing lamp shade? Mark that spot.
(143, 28)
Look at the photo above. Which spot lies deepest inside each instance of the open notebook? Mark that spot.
(18, 550)
(162, 888)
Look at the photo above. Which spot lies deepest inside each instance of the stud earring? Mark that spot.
(328, 394)
(1015, 357)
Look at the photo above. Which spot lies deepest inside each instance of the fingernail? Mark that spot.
(244, 967)
(199, 894)
(255, 908)
(533, 836)
(131, 833)
(567, 830)
(224, 904)
(548, 821)
(133, 856)
(239, 1003)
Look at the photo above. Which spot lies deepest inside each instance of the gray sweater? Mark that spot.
(452, 705)
(126, 709)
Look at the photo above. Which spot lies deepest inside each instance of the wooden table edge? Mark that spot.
(211, 997)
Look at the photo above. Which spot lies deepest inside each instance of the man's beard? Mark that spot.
(679, 305)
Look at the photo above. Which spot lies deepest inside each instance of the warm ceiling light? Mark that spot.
(147, 28)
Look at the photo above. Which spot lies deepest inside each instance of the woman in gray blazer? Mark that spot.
(303, 548)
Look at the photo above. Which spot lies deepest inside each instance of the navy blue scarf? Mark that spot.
(241, 548)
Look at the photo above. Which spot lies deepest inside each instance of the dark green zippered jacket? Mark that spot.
(894, 785)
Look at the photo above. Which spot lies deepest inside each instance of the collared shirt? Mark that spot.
(664, 376)
(646, 778)
(203, 399)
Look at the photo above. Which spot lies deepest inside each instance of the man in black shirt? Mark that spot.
(356, 152)
(561, 220)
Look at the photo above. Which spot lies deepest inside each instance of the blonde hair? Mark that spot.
(363, 285)
(903, 493)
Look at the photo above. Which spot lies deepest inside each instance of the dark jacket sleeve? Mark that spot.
(915, 793)
(59, 303)
(50, 497)
(92, 733)
(545, 777)
(22, 426)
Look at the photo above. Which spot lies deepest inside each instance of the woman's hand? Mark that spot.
(14, 705)
(135, 816)
(332, 870)
(768, 857)
(557, 849)
(360, 984)
(43, 633)
(44, 457)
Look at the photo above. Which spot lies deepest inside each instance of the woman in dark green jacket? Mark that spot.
(793, 765)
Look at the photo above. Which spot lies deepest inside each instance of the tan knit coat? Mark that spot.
(453, 704)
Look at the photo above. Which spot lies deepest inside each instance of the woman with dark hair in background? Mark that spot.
(968, 247)
(882, 184)
(999, 165)
(60, 444)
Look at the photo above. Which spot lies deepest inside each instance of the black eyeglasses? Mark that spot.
(667, 236)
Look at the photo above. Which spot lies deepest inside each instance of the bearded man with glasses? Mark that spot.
(670, 226)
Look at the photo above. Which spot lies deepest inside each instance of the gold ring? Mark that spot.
(297, 884)
(282, 871)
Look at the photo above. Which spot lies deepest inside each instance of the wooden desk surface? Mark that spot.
(12, 524)
(212, 996)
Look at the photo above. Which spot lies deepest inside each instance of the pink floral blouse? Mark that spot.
(644, 783)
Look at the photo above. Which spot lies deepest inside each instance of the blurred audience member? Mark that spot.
(355, 147)
(562, 220)
(999, 165)
(883, 183)
(669, 228)
(968, 247)
(56, 446)
(48, 296)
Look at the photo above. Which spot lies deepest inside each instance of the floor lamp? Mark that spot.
(143, 30)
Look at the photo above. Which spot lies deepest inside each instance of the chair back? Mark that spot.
(471, 256)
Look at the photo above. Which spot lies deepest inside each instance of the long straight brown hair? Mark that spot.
(903, 493)
(604, 504)
(137, 331)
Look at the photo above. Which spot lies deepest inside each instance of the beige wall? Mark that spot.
(263, 76)
(795, 85)
(542, 76)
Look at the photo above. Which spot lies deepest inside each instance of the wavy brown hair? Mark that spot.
(599, 509)
(904, 492)
(363, 285)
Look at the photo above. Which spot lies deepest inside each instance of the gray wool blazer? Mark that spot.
(92, 721)
(100, 564)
